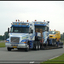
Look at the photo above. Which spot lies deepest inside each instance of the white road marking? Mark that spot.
(31, 62)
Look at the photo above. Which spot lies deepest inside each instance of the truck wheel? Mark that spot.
(9, 49)
(36, 46)
(39, 47)
(26, 50)
(62, 46)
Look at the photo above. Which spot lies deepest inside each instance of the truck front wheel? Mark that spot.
(9, 49)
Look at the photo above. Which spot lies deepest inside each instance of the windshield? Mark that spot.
(40, 27)
(19, 30)
(52, 32)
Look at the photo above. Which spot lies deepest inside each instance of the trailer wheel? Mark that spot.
(36, 46)
(62, 46)
(9, 49)
(39, 47)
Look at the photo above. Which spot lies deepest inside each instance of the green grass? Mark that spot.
(2, 44)
(57, 60)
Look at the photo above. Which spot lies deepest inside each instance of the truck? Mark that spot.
(56, 36)
(41, 32)
(28, 35)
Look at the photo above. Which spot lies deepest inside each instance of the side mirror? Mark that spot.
(8, 30)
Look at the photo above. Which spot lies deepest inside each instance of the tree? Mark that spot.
(1, 37)
(6, 35)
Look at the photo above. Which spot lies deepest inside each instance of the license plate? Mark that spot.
(14, 46)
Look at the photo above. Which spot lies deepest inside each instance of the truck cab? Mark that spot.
(41, 31)
(55, 35)
(21, 35)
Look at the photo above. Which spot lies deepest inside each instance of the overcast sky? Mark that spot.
(52, 11)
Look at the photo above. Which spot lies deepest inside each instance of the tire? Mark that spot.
(39, 47)
(19, 49)
(61, 46)
(9, 49)
(26, 50)
(36, 46)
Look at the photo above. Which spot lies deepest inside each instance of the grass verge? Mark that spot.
(2, 44)
(57, 60)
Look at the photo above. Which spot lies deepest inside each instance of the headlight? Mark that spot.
(7, 41)
(23, 42)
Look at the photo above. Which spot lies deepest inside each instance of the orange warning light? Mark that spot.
(44, 20)
(27, 20)
(54, 30)
(35, 20)
(16, 20)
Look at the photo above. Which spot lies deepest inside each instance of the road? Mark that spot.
(28, 57)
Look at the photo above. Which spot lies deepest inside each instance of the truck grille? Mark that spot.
(14, 39)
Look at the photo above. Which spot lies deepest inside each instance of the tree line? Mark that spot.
(5, 36)
(62, 36)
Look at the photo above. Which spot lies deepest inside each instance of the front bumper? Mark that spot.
(16, 45)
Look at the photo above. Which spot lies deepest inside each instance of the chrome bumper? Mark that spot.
(16, 45)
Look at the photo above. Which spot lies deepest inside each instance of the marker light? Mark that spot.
(44, 20)
(54, 30)
(6, 41)
(19, 23)
(16, 20)
(16, 23)
(35, 20)
(27, 20)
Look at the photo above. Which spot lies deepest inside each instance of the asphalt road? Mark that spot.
(28, 57)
